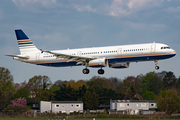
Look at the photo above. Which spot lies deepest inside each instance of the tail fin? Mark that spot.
(24, 43)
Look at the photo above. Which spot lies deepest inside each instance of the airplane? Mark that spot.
(117, 57)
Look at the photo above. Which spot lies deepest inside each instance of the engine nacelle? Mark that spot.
(102, 62)
(119, 65)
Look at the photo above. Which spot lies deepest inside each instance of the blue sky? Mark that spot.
(62, 24)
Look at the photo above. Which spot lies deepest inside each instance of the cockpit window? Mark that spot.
(165, 47)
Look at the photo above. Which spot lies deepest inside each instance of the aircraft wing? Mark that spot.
(78, 59)
(22, 57)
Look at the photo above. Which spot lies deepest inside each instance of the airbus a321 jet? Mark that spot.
(98, 57)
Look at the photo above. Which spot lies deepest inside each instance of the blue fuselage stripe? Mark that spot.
(112, 60)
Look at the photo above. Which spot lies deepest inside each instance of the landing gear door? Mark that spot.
(119, 52)
(153, 47)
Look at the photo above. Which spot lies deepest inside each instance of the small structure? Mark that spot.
(61, 106)
(132, 107)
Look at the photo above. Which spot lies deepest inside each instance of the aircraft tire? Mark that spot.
(100, 71)
(157, 67)
(85, 71)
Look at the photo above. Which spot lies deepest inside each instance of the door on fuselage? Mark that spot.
(37, 56)
(79, 53)
(119, 52)
(153, 47)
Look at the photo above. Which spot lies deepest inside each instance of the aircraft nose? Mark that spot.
(174, 52)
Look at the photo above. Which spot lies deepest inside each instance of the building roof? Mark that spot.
(150, 101)
(66, 102)
(128, 101)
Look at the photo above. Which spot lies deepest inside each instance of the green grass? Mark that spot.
(71, 119)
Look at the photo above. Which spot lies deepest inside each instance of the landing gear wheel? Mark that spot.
(85, 71)
(157, 67)
(100, 71)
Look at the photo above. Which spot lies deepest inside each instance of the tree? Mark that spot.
(169, 80)
(6, 93)
(7, 90)
(58, 83)
(54, 88)
(19, 102)
(150, 82)
(169, 101)
(178, 85)
(99, 82)
(80, 92)
(148, 95)
(116, 83)
(5, 75)
(18, 105)
(75, 85)
(22, 93)
(19, 86)
(106, 94)
(45, 95)
(127, 88)
(38, 83)
(90, 100)
(66, 94)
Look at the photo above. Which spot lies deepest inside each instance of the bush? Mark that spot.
(11, 108)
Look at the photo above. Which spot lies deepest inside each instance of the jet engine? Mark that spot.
(119, 65)
(102, 62)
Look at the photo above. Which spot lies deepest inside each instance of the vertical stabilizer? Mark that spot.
(24, 43)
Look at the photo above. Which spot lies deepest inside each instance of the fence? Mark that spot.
(23, 114)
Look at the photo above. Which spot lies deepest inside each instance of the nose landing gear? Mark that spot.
(156, 67)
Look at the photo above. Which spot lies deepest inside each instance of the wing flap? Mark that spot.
(79, 59)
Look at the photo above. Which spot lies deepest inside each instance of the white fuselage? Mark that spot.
(113, 54)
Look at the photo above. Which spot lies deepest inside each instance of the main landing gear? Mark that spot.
(86, 71)
(101, 71)
(156, 67)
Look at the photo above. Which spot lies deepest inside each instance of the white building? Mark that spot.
(133, 106)
(61, 106)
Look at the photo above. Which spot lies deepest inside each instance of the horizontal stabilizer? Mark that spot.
(22, 57)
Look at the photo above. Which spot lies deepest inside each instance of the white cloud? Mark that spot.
(143, 26)
(57, 38)
(81, 8)
(1, 14)
(135, 4)
(25, 2)
(129, 7)
(172, 9)
(119, 7)
(115, 8)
